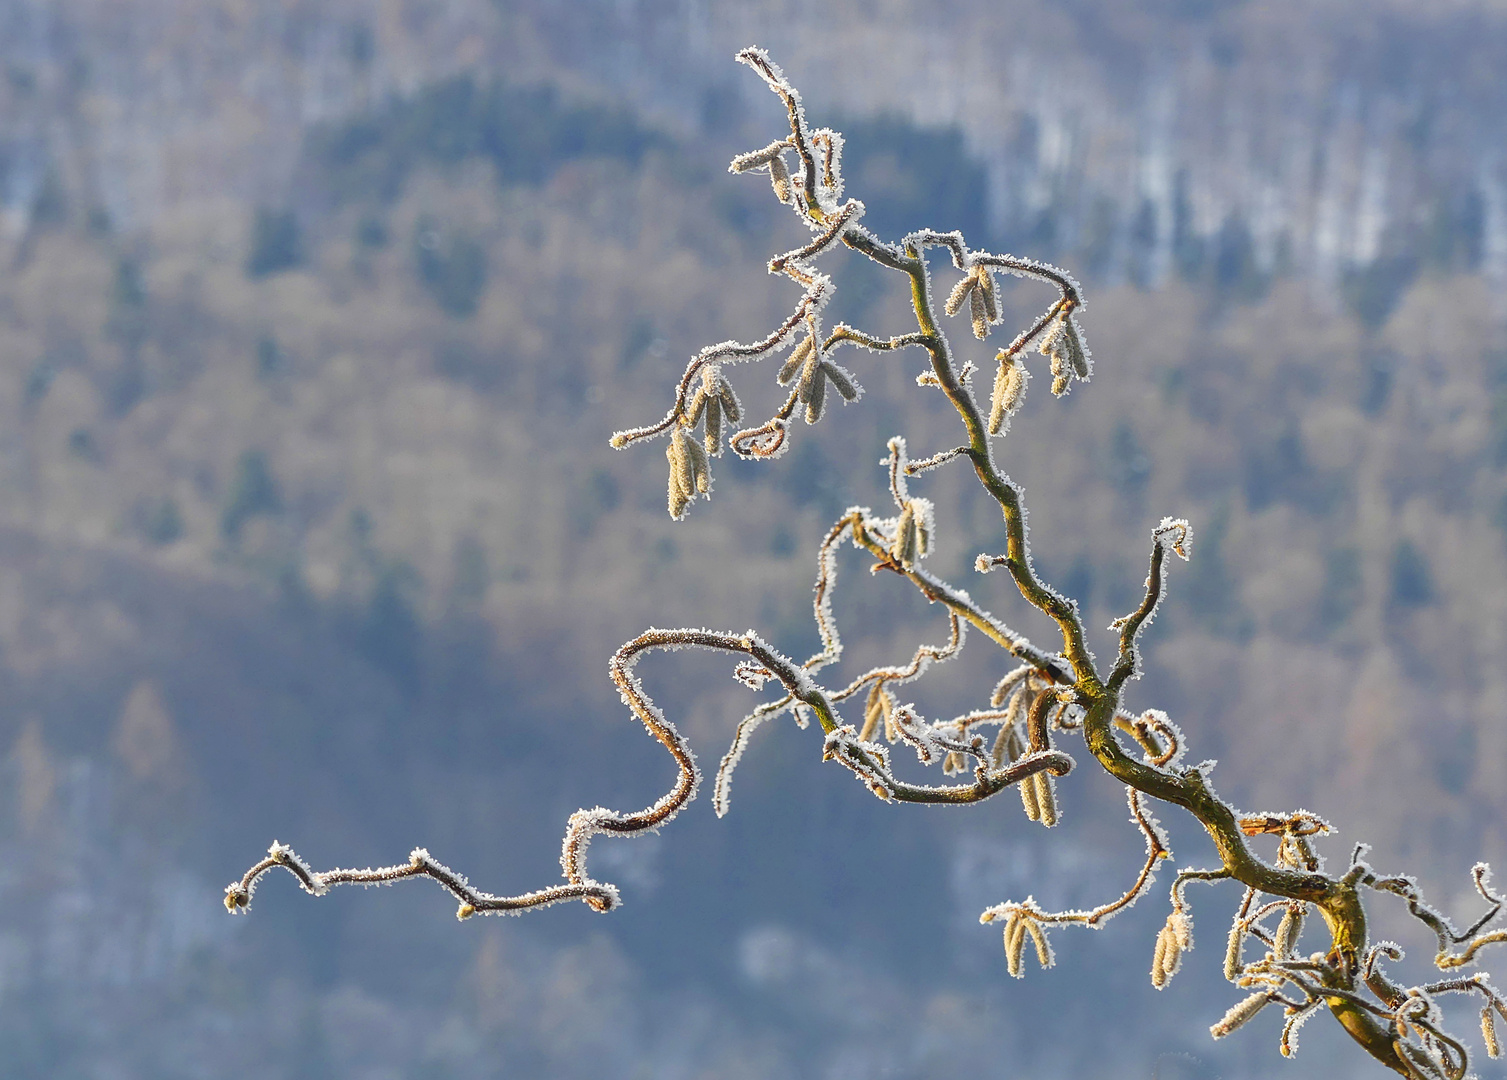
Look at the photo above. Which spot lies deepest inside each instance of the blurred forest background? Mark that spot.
(316, 319)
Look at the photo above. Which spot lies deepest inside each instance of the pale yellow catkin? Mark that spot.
(1028, 798)
(1003, 688)
(730, 407)
(845, 386)
(795, 363)
(701, 475)
(1233, 961)
(779, 178)
(714, 425)
(904, 548)
(681, 460)
(1240, 1014)
(817, 399)
(810, 370)
(1489, 1033)
(891, 732)
(960, 293)
(1018, 705)
(1288, 931)
(679, 494)
(1015, 944)
(1009, 388)
(978, 312)
(873, 712)
(693, 410)
(1051, 343)
(1046, 798)
(1039, 939)
(1173, 954)
(1158, 960)
(1076, 354)
(1007, 745)
(986, 288)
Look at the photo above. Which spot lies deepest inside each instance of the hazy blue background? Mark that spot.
(317, 317)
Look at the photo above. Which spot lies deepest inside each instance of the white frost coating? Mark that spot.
(722, 785)
(755, 159)
(1179, 740)
(829, 145)
(1241, 1013)
(1294, 1022)
(920, 736)
(1076, 329)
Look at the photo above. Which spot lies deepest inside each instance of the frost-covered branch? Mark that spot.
(1047, 697)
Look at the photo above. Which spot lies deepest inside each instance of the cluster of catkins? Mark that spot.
(690, 470)
(1059, 340)
(1026, 690)
(810, 362)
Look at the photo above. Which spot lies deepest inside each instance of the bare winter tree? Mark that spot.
(1051, 696)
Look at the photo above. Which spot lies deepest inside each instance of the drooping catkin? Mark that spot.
(1172, 956)
(978, 311)
(1001, 746)
(1046, 798)
(873, 712)
(903, 550)
(1015, 945)
(1003, 688)
(811, 370)
(693, 410)
(923, 533)
(842, 381)
(1039, 939)
(1054, 344)
(1288, 931)
(681, 480)
(755, 158)
(1159, 960)
(1009, 392)
(1174, 938)
(959, 295)
(678, 499)
(1489, 1033)
(1077, 355)
(730, 405)
(779, 178)
(1019, 701)
(1007, 745)
(816, 398)
(812, 389)
(1233, 960)
(986, 290)
(796, 361)
(1241, 1014)
(1028, 798)
(701, 474)
(714, 425)
(1181, 926)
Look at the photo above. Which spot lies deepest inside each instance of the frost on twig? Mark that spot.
(1046, 696)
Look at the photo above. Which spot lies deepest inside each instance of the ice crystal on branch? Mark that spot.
(1046, 697)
